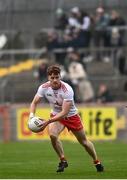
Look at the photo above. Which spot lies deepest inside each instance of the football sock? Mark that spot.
(63, 159)
(96, 162)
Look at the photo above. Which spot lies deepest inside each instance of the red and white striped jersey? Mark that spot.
(56, 97)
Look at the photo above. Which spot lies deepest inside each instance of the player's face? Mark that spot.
(54, 81)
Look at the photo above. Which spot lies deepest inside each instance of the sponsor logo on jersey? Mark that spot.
(49, 94)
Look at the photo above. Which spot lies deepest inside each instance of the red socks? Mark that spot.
(96, 162)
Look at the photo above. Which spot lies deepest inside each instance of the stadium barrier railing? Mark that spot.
(35, 54)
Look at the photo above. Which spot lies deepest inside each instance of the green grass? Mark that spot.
(36, 160)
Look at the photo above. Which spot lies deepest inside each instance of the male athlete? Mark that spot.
(64, 114)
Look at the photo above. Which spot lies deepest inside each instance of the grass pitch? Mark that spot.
(37, 160)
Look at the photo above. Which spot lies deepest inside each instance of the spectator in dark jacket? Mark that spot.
(104, 94)
(116, 34)
(61, 20)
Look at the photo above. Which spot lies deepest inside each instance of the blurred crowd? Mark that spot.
(78, 29)
(74, 73)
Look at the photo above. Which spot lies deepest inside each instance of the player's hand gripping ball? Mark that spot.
(35, 124)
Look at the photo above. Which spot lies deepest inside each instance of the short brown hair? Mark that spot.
(54, 69)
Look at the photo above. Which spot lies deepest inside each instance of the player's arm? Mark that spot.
(33, 105)
(65, 110)
(67, 103)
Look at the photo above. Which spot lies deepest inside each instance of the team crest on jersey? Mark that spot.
(56, 94)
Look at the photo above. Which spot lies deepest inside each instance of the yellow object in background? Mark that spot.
(22, 66)
(99, 124)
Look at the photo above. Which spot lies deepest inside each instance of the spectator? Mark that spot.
(104, 94)
(87, 91)
(78, 39)
(75, 14)
(61, 20)
(86, 25)
(120, 61)
(78, 76)
(72, 56)
(79, 25)
(116, 34)
(101, 37)
(42, 70)
(52, 41)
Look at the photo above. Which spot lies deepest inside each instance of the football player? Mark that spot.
(64, 113)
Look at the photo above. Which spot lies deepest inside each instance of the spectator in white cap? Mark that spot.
(75, 10)
(73, 19)
(99, 10)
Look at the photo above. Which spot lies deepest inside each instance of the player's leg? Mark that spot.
(81, 137)
(54, 130)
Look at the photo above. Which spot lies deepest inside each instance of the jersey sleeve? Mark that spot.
(40, 91)
(69, 95)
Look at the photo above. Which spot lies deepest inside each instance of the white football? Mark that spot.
(35, 124)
